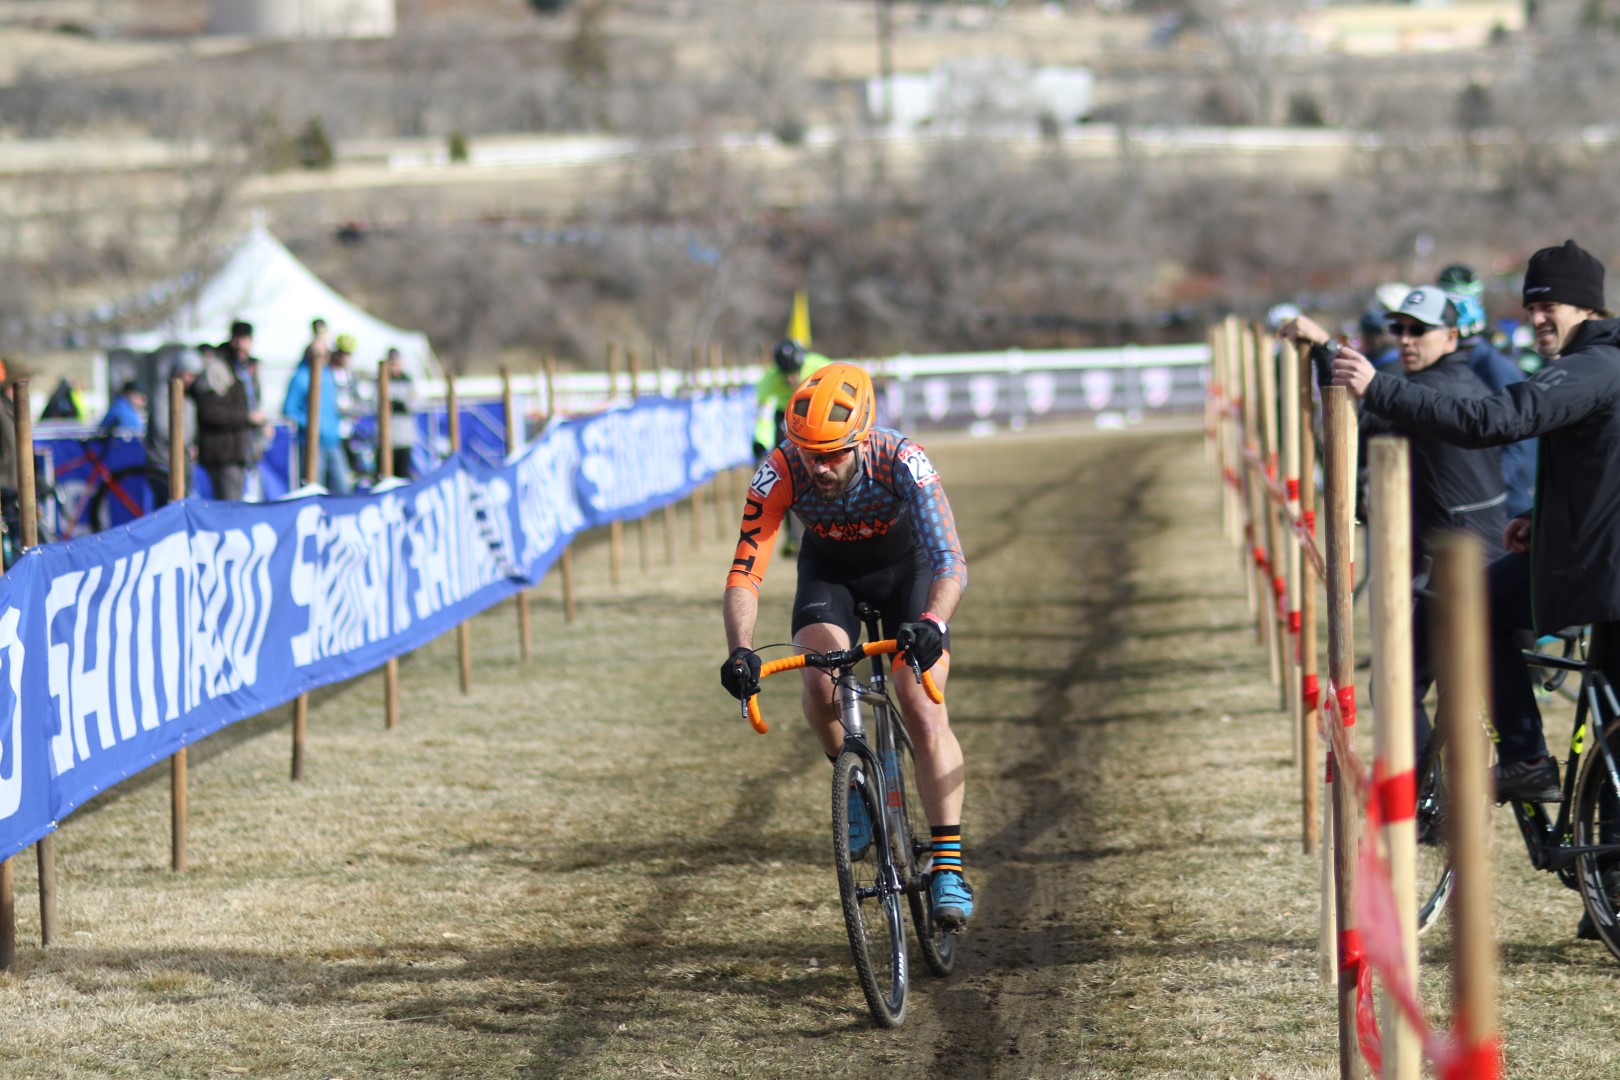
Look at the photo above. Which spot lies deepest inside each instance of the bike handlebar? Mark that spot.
(838, 658)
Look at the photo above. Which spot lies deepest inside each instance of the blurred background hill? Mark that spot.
(524, 178)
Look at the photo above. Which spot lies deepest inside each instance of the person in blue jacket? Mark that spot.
(333, 470)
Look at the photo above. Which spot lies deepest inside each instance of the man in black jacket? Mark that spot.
(1451, 487)
(1563, 566)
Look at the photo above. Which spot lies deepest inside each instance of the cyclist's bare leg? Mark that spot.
(820, 697)
(939, 755)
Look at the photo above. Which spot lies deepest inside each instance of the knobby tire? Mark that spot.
(876, 925)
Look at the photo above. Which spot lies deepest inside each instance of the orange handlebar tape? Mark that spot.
(754, 716)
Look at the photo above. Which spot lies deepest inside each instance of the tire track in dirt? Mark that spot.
(1052, 586)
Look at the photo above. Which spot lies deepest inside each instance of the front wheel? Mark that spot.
(1597, 823)
(870, 894)
(1434, 875)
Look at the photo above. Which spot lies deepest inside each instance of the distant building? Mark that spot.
(303, 18)
(982, 90)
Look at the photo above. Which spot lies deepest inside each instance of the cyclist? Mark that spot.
(1563, 562)
(877, 528)
(791, 364)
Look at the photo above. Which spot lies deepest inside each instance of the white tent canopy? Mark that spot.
(265, 284)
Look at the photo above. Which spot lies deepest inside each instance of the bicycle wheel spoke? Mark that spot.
(1597, 826)
(870, 900)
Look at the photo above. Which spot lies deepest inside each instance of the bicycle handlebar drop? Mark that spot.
(835, 659)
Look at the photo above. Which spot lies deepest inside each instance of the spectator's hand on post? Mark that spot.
(1352, 371)
(1303, 330)
(740, 673)
(1516, 537)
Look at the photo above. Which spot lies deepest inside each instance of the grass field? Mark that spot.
(590, 867)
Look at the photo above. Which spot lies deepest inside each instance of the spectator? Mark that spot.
(227, 424)
(356, 454)
(1451, 487)
(332, 465)
(238, 352)
(124, 414)
(402, 408)
(1496, 371)
(1563, 562)
(187, 365)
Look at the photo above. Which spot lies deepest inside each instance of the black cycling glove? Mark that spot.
(924, 641)
(740, 674)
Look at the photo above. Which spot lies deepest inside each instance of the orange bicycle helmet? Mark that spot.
(831, 409)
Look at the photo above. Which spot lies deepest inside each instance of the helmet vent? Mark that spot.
(838, 413)
(801, 407)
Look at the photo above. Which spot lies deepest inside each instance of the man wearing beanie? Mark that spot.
(1563, 562)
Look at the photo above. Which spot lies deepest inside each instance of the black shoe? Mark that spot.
(1528, 781)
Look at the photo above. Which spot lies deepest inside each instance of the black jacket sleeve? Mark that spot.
(1560, 394)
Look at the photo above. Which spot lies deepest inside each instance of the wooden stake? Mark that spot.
(1310, 761)
(1275, 578)
(697, 492)
(1340, 453)
(464, 628)
(1460, 582)
(385, 471)
(642, 524)
(28, 526)
(179, 466)
(513, 440)
(615, 527)
(568, 553)
(669, 507)
(1392, 689)
(8, 917)
(1293, 561)
(312, 473)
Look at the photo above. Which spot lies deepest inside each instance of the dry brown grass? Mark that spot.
(591, 868)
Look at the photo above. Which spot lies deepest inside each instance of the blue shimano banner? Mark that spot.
(118, 649)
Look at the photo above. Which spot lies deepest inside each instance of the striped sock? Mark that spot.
(947, 848)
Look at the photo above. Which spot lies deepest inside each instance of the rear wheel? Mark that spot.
(1434, 877)
(869, 891)
(1597, 822)
(916, 852)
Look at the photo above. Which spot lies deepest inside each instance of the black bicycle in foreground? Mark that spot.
(876, 766)
(1582, 843)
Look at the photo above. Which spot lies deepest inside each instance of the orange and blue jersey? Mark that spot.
(894, 504)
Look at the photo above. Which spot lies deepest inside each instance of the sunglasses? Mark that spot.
(1410, 330)
(830, 457)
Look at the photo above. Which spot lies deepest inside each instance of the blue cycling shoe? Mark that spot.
(860, 825)
(952, 897)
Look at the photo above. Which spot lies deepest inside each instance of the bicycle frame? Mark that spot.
(1546, 840)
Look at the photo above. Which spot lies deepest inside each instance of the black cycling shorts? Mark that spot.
(828, 593)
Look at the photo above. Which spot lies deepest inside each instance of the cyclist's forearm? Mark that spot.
(741, 613)
(944, 594)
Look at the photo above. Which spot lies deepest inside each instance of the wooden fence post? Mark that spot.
(615, 527)
(568, 552)
(513, 440)
(1340, 453)
(385, 471)
(1309, 692)
(642, 524)
(179, 473)
(463, 628)
(28, 525)
(1392, 682)
(1460, 583)
(312, 473)
(1294, 561)
(1276, 583)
